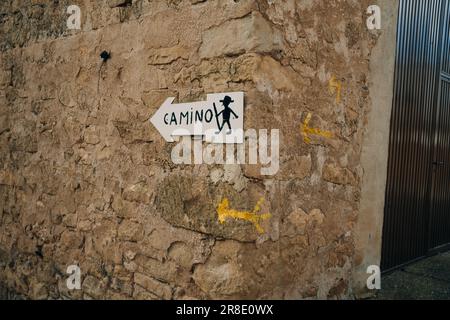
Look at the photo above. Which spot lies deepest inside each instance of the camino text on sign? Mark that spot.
(219, 119)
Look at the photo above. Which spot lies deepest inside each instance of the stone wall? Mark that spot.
(85, 178)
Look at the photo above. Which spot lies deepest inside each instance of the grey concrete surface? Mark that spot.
(374, 159)
(428, 279)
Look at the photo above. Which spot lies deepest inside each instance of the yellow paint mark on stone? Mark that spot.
(225, 212)
(83, 50)
(335, 87)
(306, 130)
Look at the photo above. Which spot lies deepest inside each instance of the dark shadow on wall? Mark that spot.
(7, 294)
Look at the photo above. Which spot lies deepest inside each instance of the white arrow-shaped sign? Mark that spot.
(219, 119)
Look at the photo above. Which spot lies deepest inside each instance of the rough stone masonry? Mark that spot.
(86, 180)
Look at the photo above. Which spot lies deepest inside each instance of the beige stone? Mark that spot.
(91, 136)
(130, 231)
(167, 55)
(72, 240)
(249, 34)
(158, 288)
(7, 178)
(317, 216)
(142, 294)
(85, 178)
(222, 275)
(337, 175)
(39, 291)
(162, 271)
(94, 287)
(118, 3)
(298, 168)
(70, 220)
(296, 222)
(181, 254)
(139, 192)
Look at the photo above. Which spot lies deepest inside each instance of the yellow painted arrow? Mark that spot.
(225, 212)
(306, 130)
(335, 86)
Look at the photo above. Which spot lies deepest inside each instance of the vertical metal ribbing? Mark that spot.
(406, 92)
(390, 232)
(390, 203)
(428, 139)
(439, 213)
(413, 123)
(407, 121)
(415, 206)
(432, 30)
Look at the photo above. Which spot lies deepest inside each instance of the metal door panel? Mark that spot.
(406, 233)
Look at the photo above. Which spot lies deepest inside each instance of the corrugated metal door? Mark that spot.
(417, 210)
(439, 223)
(440, 211)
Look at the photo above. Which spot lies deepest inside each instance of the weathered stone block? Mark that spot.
(130, 231)
(72, 240)
(156, 287)
(222, 277)
(190, 203)
(118, 3)
(140, 192)
(167, 55)
(297, 168)
(337, 175)
(252, 33)
(84, 177)
(94, 287)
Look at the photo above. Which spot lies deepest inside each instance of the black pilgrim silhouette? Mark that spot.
(226, 114)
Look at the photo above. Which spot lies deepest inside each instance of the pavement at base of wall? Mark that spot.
(428, 279)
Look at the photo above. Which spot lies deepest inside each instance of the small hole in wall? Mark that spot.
(38, 251)
(105, 55)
